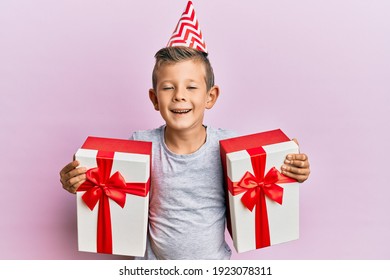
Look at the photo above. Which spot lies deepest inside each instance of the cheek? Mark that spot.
(162, 100)
(164, 103)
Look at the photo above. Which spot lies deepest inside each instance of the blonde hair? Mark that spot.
(178, 54)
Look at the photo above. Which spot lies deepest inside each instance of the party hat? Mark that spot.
(187, 32)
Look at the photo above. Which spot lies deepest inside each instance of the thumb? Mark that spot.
(295, 140)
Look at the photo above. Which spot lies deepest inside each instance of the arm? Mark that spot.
(296, 166)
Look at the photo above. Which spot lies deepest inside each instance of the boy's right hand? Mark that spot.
(72, 177)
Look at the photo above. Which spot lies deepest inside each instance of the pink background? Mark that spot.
(317, 69)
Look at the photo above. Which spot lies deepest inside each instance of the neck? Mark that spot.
(185, 142)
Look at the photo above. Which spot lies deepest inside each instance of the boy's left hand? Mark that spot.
(296, 166)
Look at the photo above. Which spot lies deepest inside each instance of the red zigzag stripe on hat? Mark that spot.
(187, 31)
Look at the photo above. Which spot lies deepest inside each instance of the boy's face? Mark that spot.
(181, 94)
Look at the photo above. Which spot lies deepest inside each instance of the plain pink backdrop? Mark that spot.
(319, 70)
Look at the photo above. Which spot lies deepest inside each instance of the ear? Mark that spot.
(153, 98)
(212, 97)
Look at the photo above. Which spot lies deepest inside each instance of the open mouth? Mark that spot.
(182, 111)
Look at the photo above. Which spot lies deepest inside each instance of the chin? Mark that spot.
(182, 126)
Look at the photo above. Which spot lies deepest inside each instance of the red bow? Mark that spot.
(255, 186)
(96, 186)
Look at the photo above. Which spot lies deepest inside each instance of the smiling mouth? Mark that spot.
(181, 111)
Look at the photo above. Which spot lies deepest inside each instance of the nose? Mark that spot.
(179, 94)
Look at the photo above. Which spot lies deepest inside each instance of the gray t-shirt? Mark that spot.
(187, 200)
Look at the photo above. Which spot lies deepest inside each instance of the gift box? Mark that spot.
(262, 203)
(113, 203)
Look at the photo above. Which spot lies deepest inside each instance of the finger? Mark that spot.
(299, 178)
(297, 157)
(295, 170)
(75, 182)
(73, 173)
(76, 186)
(298, 163)
(73, 189)
(68, 167)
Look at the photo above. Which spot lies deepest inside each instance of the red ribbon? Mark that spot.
(100, 187)
(255, 188)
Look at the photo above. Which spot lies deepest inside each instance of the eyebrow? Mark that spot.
(171, 81)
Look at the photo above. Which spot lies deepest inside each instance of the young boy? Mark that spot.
(187, 198)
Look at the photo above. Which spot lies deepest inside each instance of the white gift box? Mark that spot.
(283, 219)
(128, 224)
